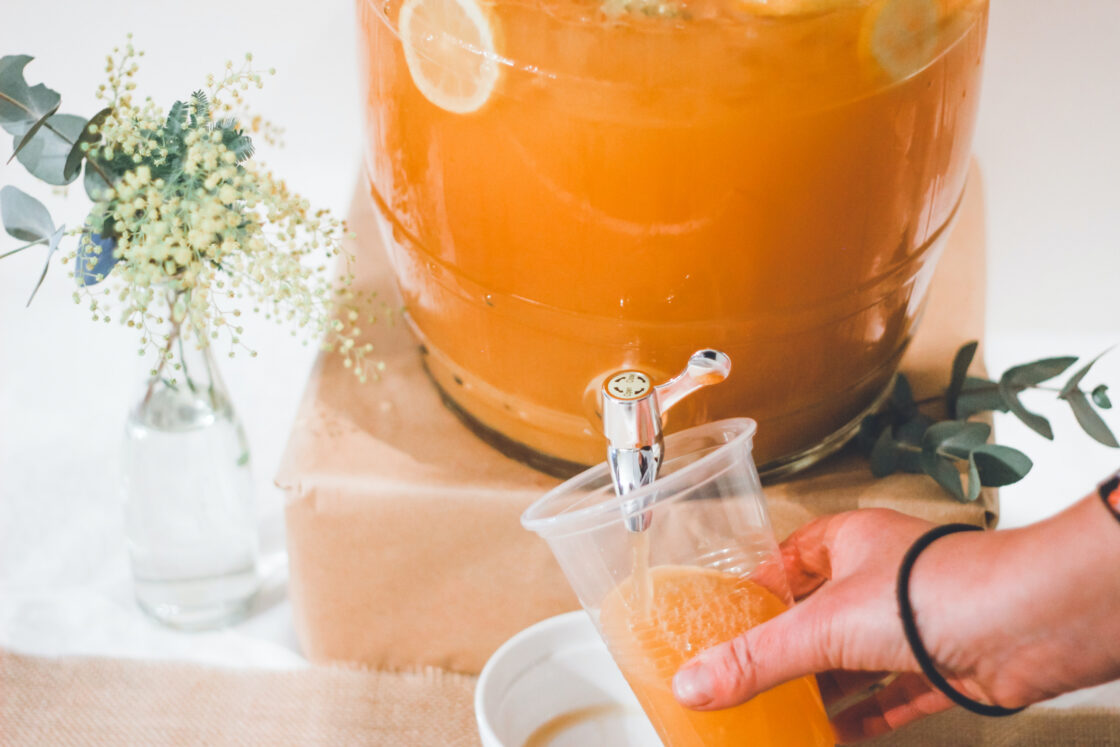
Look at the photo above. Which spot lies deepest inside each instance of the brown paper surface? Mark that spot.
(404, 536)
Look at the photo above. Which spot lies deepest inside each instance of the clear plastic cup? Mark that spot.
(707, 569)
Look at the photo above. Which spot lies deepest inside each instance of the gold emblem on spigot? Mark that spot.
(629, 385)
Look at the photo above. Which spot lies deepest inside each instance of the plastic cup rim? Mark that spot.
(609, 510)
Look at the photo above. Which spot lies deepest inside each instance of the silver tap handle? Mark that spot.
(633, 417)
(705, 367)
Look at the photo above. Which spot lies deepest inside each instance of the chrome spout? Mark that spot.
(633, 417)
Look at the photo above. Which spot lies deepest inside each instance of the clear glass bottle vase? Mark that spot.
(190, 520)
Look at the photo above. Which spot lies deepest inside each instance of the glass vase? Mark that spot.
(190, 520)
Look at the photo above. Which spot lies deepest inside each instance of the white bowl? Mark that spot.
(554, 684)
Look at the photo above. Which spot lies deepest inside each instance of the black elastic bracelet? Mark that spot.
(1109, 491)
(910, 627)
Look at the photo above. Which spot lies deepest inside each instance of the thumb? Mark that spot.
(784, 648)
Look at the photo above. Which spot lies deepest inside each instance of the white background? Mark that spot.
(1048, 143)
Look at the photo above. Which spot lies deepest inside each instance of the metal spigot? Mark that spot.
(633, 417)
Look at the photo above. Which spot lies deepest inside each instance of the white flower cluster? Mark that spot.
(196, 224)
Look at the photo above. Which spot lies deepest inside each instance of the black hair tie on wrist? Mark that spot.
(1109, 491)
(910, 627)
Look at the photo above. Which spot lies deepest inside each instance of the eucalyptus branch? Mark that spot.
(985, 389)
(19, 249)
(903, 438)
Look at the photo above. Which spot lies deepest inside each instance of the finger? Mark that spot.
(909, 698)
(840, 684)
(763, 657)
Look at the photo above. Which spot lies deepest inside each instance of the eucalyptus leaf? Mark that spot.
(956, 438)
(999, 465)
(1090, 420)
(1100, 397)
(20, 104)
(884, 456)
(1034, 421)
(95, 259)
(978, 395)
(46, 153)
(1036, 372)
(870, 428)
(96, 187)
(74, 158)
(913, 430)
(944, 471)
(24, 217)
(1074, 383)
(974, 481)
(52, 247)
(25, 138)
(902, 396)
(961, 363)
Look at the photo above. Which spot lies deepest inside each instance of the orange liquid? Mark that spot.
(693, 609)
(760, 184)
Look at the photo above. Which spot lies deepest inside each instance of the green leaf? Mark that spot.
(975, 483)
(999, 465)
(1074, 383)
(24, 217)
(52, 247)
(961, 363)
(1016, 379)
(955, 438)
(884, 456)
(1100, 397)
(944, 471)
(20, 104)
(1032, 374)
(1089, 419)
(870, 428)
(46, 153)
(96, 187)
(24, 139)
(902, 396)
(913, 430)
(74, 159)
(978, 395)
(201, 109)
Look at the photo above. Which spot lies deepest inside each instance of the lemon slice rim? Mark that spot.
(489, 66)
(879, 15)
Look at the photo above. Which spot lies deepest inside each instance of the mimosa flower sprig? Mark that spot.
(903, 438)
(183, 220)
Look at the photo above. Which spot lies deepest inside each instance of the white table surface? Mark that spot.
(1047, 141)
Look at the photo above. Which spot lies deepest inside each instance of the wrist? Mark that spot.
(1018, 616)
(950, 591)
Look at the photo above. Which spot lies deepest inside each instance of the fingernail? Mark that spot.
(693, 686)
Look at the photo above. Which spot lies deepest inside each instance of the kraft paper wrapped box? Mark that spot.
(404, 534)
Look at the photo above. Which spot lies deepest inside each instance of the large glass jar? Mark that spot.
(572, 187)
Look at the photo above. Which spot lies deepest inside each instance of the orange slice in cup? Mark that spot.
(449, 49)
(901, 35)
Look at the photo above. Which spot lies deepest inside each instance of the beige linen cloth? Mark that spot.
(73, 701)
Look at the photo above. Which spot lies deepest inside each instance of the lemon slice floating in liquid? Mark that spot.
(449, 49)
(901, 35)
(796, 7)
